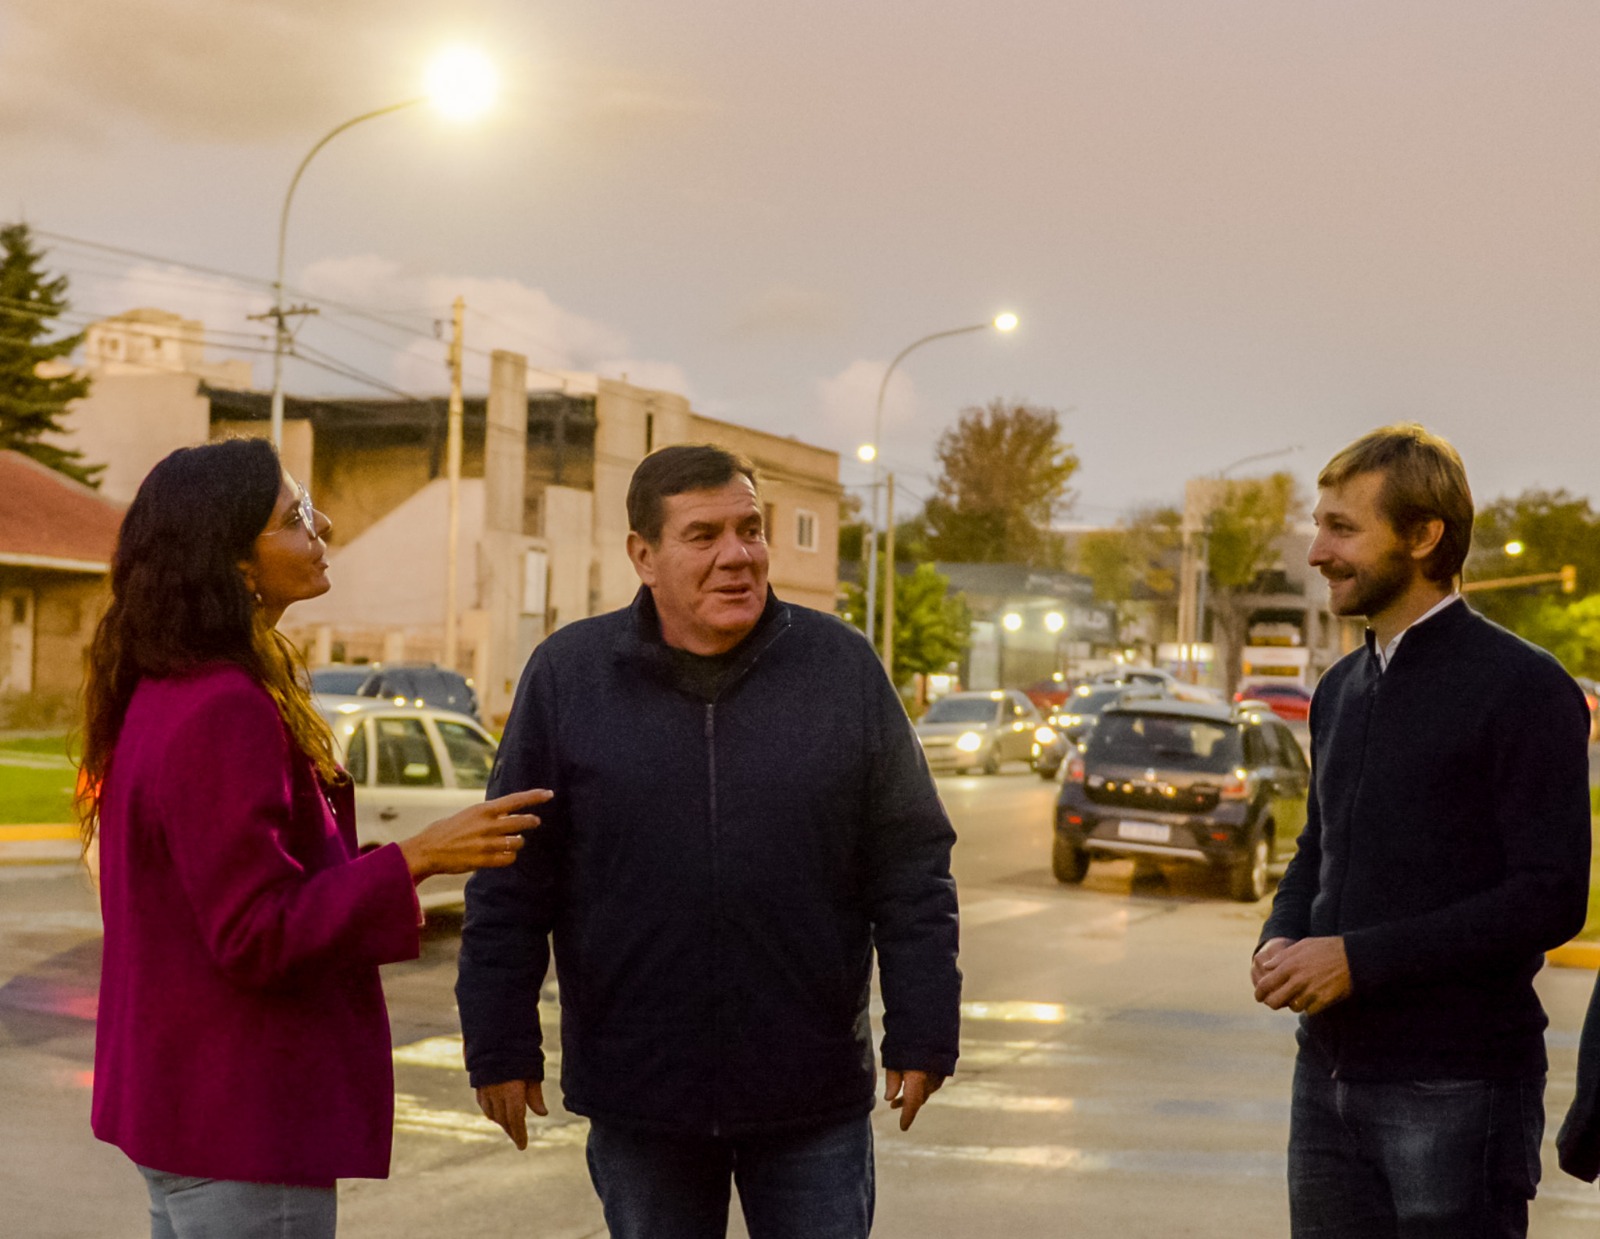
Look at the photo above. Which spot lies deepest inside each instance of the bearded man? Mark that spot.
(1446, 848)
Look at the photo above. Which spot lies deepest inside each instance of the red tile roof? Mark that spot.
(47, 516)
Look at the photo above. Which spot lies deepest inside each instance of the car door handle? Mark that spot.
(388, 814)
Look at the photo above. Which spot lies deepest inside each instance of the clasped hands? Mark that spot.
(507, 1103)
(1306, 976)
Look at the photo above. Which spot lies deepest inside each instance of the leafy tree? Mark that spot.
(1569, 630)
(1247, 519)
(1003, 482)
(31, 403)
(1135, 559)
(932, 629)
(1555, 528)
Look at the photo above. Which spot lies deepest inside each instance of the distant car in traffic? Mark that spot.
(341, 679)
(979, 731)
(425, 684)
(1169, 780)
(1075, 720)
(1288, 701)
(410, 766)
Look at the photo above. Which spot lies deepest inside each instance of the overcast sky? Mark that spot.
(1229, 226)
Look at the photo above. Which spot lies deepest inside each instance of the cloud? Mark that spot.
(846, 403)
(501, 314)
(249, 69)
(260, 71)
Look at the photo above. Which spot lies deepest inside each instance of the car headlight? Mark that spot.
(969, 742)
(1045, 736)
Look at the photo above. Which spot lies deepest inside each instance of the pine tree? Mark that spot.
(31, 404)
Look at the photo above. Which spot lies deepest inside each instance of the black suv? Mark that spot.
(1173, 780)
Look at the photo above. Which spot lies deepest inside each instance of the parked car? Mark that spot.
(411, 765)
(1287, 701)
(1182, 781)
(979, 730)
(1076, 718)
(422, 684)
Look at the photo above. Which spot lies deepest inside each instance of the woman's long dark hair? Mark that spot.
(179, 600)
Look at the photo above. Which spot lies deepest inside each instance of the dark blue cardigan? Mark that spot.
(716, 876)
(1447, 842)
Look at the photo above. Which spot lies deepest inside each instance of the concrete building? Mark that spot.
(56, 539)
(543, 522)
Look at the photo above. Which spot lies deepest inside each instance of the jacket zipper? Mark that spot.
(1366, 743)
(716, 911)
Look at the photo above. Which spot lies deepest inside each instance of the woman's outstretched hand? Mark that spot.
(484, 836)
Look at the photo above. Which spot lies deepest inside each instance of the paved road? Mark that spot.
(1116, 1078)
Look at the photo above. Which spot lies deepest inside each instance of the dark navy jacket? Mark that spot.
(715, 876)
(1447, 842)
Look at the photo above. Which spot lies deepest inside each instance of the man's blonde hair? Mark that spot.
(1423, 480)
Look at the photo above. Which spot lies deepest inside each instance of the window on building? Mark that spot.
(769, 520)
(805, 530)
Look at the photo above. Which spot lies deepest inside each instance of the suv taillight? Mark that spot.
(1075, 768)
(1235, 787)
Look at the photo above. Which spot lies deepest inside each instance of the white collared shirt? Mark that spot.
(1387, 652)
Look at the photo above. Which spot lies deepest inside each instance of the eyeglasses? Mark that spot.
(303, 516)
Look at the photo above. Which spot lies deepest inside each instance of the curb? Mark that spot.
(38, 833)
(50, 843)
(1575, 955)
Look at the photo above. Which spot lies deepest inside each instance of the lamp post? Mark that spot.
(1001, 323)
(461, 84)
(1203, 571)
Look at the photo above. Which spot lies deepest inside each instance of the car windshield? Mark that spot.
(961, 710)
(339, 681)
(1165, 741)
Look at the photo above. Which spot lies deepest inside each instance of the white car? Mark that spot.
(982, 731)
(411, 766)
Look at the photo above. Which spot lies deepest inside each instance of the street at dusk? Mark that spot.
(1116, 1078)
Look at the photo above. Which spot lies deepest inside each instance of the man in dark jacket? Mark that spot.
(742, 816)
(1446, 848)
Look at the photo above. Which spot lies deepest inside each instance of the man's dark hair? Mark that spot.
(675, 471)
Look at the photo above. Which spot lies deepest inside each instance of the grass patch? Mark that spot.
(30, 795)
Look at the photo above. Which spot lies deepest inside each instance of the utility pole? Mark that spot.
(452, 456)
(888, 582)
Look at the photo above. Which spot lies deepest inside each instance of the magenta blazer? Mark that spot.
(242, 1032)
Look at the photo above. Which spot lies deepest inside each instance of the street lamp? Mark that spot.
(871, 452)
(1203, 570)
(460, 82)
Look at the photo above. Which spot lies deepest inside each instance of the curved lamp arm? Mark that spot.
(294, 183)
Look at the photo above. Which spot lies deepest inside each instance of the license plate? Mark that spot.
(1144, 832)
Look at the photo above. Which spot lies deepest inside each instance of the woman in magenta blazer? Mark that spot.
(242, 1055)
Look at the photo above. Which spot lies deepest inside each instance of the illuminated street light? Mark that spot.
(1011, 621)
(461, 83)
(866, 453)
(1004, 322)
(1514, 549)
(1054, 621)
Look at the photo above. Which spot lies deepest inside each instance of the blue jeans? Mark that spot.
(184, 1207)
(1411, 1160)
(811, 1184)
